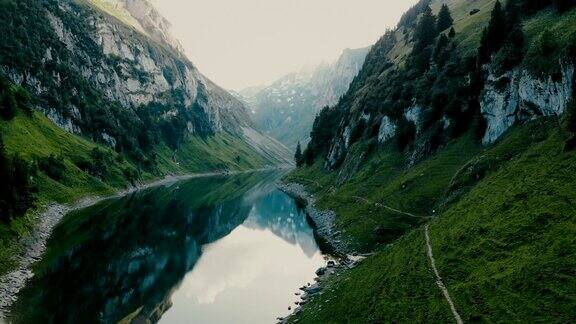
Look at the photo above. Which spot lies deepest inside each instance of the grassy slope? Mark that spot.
(504, 238)
(37, 137)
(385, 180)
(505, 249)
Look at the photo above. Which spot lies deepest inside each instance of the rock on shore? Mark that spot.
(322, 221)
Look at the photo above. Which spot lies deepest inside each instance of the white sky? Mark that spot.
(242, 43)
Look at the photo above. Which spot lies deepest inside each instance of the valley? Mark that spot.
(428, 177)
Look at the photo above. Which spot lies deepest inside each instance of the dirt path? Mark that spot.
(438, 278)
(390, 208)
(439, 281)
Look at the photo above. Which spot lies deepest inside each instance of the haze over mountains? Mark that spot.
(444, 155)
(286, 109)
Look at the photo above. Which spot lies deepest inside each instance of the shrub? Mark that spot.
(406, 133)
(309, 155)
(53, 166)
(16, 187)
(8, 104)
(131, 174)
(358, 131)
(571, 115)
(99, 163)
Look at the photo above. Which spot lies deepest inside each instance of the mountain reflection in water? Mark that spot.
(207, 250)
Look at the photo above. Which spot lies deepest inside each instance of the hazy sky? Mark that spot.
(242, 43)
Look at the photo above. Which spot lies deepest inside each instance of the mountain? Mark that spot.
(450, 162)
(110, 70)
(97, 96)
(286, 109)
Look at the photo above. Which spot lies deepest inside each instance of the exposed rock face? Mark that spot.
(513, 97)
(141, 15)
(338, 149)
(127, 67)
(287, 108)
(134, 73)
(387, 130)
(153, 23)
(518, 96)
(414, 115)
(105, 68)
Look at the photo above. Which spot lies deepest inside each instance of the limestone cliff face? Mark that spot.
(135, 72)
(142, 16)
(151, 21)
(106, 68)
(386, 131)
(513, 97)
(519, 96)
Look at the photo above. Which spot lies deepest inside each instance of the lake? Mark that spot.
(224, 249)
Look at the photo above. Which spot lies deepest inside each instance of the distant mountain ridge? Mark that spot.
(286, 109)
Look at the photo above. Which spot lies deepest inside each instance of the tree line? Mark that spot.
(436, 77)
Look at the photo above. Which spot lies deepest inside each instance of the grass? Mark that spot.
(37, 137)
(384, 179)
(516, 235)
(562, 32)
(222, 151)
(388, 287)
(122, 15)
(504, 244)
(468, 28)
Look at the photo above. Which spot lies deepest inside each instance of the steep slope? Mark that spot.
(96, 96)
(122, 85)
(473, 135)
(440, 95)
(286, 109)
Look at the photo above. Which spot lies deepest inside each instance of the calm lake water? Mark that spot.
(208, 250)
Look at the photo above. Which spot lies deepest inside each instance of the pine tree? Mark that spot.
(445, 20)
(298, 156)
(424, 37)
(452, 33)
(497, 27)
(309, 155)
(494, 35)
(426, 31)
(440, 54)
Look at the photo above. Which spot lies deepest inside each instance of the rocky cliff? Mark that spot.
(393, 99)
(111, 70)
(518, 96)
(286, 109)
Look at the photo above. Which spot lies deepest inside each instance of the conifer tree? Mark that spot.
(444, 20)
(494, 35)
(426, 30)
(298, 156)
(452, 33)
(440, 55)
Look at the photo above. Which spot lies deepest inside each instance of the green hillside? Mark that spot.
(501, 217)
(505, 249)
(35, 139)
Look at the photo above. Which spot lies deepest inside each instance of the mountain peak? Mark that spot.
(144, 17)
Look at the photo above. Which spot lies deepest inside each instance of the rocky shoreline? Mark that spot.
(321, 221)
(323, 225)
(34, 244)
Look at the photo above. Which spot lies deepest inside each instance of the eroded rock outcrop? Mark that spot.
(518, 96)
